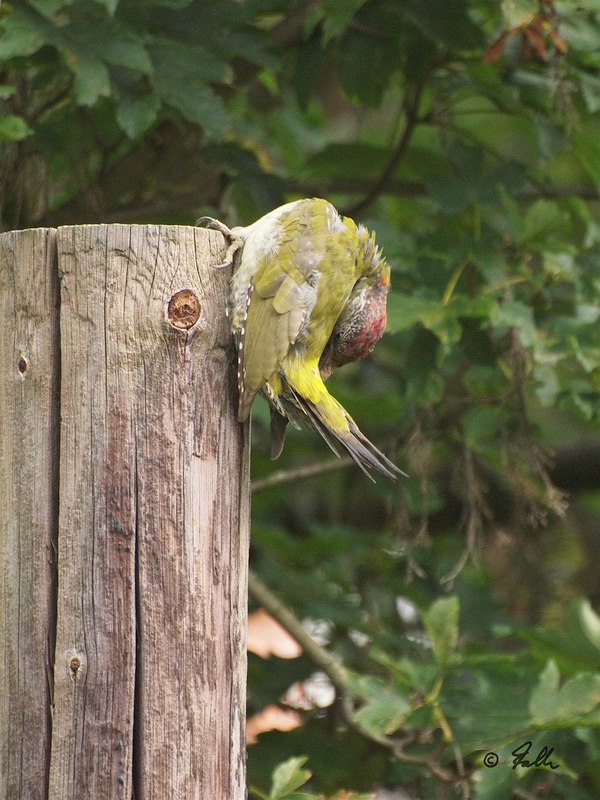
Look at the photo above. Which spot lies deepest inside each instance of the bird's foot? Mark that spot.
(235, 241)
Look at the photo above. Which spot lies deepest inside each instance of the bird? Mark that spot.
(308, 295)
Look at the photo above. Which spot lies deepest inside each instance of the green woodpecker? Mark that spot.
(308, 295)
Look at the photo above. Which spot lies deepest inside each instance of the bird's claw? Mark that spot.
(235, 241)
(215, 224)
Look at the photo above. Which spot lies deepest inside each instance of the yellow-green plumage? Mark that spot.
(308, 294)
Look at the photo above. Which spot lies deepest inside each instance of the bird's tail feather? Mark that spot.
(361, 450)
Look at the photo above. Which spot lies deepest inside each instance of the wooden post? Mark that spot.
(123, 518)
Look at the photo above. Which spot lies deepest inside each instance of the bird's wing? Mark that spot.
(281, 293)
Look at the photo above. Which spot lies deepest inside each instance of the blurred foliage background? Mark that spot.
(452, 614)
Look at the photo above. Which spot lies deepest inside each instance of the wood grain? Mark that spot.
(147, 599)
(28, 460)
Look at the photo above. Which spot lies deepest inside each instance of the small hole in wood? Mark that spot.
(74, 665)
(22, 365)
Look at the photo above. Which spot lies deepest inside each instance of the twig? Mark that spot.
(411, 108)
(300, 473)
(472, 518)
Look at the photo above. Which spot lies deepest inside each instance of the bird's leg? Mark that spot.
(236, 241)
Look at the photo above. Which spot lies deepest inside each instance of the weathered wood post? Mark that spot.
(123, 518)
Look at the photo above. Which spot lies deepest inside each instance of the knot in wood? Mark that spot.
(22, 364)
(183, 310)
(74, 664)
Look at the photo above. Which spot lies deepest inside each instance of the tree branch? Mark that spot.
(411, 108)
(300, 473)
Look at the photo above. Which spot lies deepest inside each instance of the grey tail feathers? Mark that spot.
(361, 450)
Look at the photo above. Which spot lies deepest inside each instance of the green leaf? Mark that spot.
(125, 50)
(175, 60)
(476, 700)
(347, 160)
(543, 697)
(513, 314)
(13, 128)
(482, 426)
(135, 114)
(571, 649)
(494, 784)
(344, 795)
(383, 716)
(287, 777)
(543, 218)
(512, 137)
(590, 89)
(579, 696)
(300, 796)
(336, 15)
(109, 5)
(547, 383)
(369, 55)
(403, 311)
(441, 320)
(448, 23)
(590, 623)
(21, 37)
(47, 7)
(181, 78)
(441, 624)
(586, 146)
(550, 706)
(91, 79)
(386, 707)
(519, 12)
